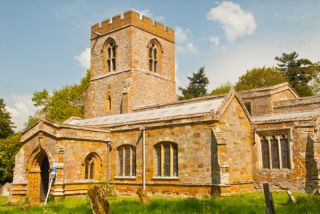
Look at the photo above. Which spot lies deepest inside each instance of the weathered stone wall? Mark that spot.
(303, 157)
(233, 136)
(262, 103)
(132, 85)
(114, 86)
(124, 47)
(46, 142)
(194, 162)
(296, 105)
(74, 158)
(150, 89)
(140, 53)
(21, 181)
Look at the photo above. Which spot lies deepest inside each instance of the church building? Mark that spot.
(137, 135)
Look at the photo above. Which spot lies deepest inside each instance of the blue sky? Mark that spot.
(44, 44)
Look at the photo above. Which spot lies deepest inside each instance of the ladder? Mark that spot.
(52, 177)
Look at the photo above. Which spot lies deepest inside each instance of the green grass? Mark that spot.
(246, 203)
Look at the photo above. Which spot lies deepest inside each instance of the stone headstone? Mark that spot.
(143, 196)
(99, 201)
(5, 190)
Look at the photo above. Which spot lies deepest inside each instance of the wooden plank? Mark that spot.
(268, 198)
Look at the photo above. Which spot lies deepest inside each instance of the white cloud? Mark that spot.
(84, 58)
(188, 47)
(147, 12)
(231, 64)
(20, 108)
(235, 21)
(182, 35)
(214, 40)
(184, 43)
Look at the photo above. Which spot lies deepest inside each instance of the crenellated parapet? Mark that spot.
(132, 18)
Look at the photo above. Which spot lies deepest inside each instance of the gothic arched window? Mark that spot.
(89, 169)
(109, 53)
(166, 159)
(92, 166)
(155, 51)
(153, 58)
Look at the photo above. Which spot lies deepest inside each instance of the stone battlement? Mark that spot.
(132, 18)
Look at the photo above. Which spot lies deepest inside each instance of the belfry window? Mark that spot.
(126, 161)
(275, 151)
(166, 159)
(153, 61)
(110, 55)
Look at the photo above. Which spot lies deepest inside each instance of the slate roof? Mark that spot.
(178, 110)
(292, 116)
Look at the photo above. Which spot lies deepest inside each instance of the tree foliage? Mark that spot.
(301, 73)
(8, 149)
(6, 124)
(223, 89)
(260, 77)
(197, 87)
(62, 104)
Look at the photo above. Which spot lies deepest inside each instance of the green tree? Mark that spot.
(8, 149)
(301, 73)
(32, 119)
(260, 77)
(6, 124)
(223, 89)
(62, 104)
(197, 86)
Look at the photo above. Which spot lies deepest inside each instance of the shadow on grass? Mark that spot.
(246, 203)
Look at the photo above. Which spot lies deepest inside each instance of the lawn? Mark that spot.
(245, 203)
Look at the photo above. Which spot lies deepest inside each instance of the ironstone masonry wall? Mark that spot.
(132, 84)
(262, 101)
(67, 154)
(233, 136)
(303, 173)
(194, 165)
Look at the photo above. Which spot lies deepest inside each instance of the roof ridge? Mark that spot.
(266, 87)
(179, 102)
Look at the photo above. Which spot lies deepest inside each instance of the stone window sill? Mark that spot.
(276, 169)
(165, 178)
(126, 177)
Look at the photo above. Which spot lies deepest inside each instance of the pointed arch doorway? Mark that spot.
(38, 176)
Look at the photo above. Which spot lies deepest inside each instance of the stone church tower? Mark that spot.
(132, 65)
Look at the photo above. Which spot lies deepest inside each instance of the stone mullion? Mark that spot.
(171, 159)
(288, 139)
(162, 158)
(123, 161)
(278, 137)
(268, 138)
(130, 170)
